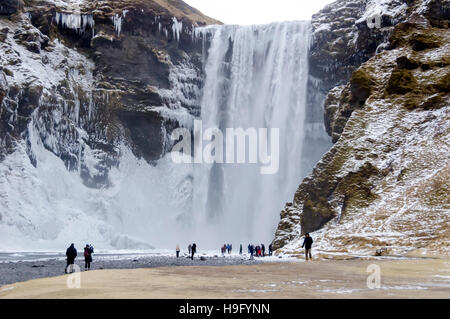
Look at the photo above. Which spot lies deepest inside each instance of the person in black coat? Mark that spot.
(71, 254)
(88, 250)
(307, 243)
(270, 250)
(194, 250)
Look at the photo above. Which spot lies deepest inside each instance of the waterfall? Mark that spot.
(256, 77)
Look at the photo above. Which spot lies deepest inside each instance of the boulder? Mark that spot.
(382, 251)
(3, 34)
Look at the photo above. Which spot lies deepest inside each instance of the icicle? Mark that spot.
(177, 28)
(75, 21)
(117, 20)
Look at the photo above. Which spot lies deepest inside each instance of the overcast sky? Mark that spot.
(258, 11)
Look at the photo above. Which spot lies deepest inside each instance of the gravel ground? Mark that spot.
(23, 270)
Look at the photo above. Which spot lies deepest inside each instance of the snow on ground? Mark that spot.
(131, 254)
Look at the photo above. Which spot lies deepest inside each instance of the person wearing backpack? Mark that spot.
(88, 250)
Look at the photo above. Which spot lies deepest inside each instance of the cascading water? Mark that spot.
(256, 77)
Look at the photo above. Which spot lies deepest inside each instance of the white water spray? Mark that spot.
(256, 76)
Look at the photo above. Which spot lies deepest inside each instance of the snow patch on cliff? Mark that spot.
(378, 8)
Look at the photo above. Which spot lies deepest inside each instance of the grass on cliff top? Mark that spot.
(179, 9)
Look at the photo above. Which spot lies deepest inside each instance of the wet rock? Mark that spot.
(343, 39)
(361, 84)
(31, 38)
(420, 41)
(3, 34)
(3, 86)
(438, 13)
(8, 7)
(382, 252)
(402, 81)
(405, 62)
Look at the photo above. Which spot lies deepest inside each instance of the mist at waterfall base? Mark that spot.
(256, 76)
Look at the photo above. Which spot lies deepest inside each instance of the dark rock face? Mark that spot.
(3, 86)
(344, 38)
(116, 71)
(347, 33)
(438, 13)
(8, 7)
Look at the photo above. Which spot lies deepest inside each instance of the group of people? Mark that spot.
(192, 249)
(226, 248)
(71, 254)
(258, 250)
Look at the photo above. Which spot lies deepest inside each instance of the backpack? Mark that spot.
(86, 253)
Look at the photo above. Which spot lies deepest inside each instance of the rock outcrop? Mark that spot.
(384, 182)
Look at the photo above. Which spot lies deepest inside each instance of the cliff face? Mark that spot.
(384, 183)
(90, 75)
(89, 93)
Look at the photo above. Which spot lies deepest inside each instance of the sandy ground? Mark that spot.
(413, 278)
(23, 270)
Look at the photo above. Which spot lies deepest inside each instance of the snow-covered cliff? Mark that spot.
(384, 183)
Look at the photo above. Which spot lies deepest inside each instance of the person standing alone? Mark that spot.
(194, 250)
(177, 249)
(71, 254)
(88, 250)
(307, 243)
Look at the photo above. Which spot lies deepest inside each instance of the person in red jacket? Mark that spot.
(88, 250)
